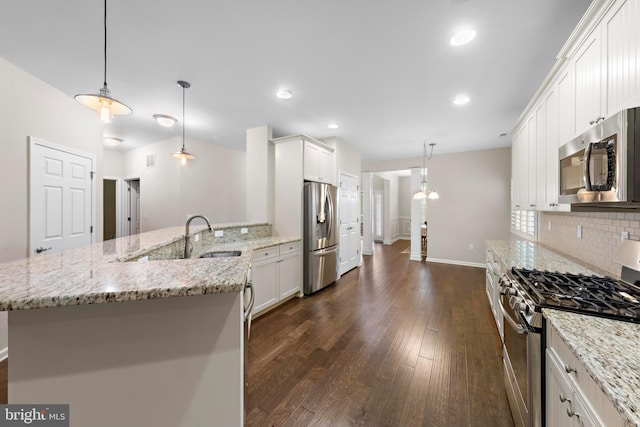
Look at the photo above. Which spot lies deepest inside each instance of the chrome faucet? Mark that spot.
(187, 237)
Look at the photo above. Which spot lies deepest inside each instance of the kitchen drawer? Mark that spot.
(287, 248)
(582, 381)
(264, 254)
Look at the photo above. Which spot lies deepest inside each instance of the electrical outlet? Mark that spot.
(470, 246)
(624, 235)
(579, 232)
(244, 230)
(549, 225)
(197, 238)
(218, 233)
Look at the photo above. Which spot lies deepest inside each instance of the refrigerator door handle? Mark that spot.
(330, 225)
(324, 252)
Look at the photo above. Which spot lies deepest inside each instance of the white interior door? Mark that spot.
(349, 223)
(60, 197)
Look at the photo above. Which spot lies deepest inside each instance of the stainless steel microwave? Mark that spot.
(602, 166)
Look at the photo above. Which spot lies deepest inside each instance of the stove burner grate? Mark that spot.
(600, 296)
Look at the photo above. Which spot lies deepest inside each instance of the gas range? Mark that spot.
(593, 295)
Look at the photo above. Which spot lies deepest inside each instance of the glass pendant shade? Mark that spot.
(183, 156)
(104, 104)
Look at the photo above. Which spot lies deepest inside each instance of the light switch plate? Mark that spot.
(197, 239)
(218, 233)
(579, 232)
(624, 235)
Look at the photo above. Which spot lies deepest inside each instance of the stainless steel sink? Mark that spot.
(216, 254)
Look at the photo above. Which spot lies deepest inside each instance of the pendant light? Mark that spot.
(102, 102)
(183, 155)
(423, 193)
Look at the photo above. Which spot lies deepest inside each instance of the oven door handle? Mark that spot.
(520, 330)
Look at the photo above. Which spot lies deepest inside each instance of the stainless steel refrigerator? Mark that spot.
(320, 236)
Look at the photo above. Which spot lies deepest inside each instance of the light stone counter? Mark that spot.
(95, 274)
(610, 351)
(151, 359)
(531, 255)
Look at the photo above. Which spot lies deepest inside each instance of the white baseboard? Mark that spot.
(4, 353)
(455, 262)
(414, 257)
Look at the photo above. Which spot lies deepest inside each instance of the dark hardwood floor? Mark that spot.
(392, 343)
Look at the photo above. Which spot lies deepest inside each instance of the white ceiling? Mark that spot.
(383, 70)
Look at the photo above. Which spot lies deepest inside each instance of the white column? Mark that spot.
(416, 237)
(260, 159)
(367, 238)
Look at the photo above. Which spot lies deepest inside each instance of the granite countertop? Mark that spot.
(532, 255)
(93, 274)
(614, 366)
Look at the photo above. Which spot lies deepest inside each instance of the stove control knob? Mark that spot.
(517, 304)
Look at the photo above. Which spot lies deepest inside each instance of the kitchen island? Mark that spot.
(127, 338)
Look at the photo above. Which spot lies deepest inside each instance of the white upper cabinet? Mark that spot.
(597, 74)
(551, 150)
(532, 157)
(566, 115)
(621, 40)
(588, 73)
(318, 163)
(520, 168)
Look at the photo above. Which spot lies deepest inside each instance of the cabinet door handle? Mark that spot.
(570, 413)
(553, 204)
(563, 398)
(568, 369)
(532, 206)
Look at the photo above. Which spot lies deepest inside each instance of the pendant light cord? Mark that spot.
(183, 89)
(105, 43)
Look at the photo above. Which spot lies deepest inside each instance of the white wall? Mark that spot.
(404, 196)
(347, 159)
(112, 163)
(213, 184)
(30, 107)
(474, 204)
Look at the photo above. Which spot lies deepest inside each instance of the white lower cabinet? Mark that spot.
(565, 405)
(276, 274)
(573, 399)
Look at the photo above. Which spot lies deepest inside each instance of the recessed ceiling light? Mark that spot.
(461, 100)
(462, 37)
(164, 120)
(284, 94)
(112, 141)
(333, 126)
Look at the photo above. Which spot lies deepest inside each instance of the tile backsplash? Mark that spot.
(601, 235)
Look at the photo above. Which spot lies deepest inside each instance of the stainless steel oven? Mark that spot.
(522, 355)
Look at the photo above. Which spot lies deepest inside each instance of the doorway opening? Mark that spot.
(109, 209)
(132, 207)
(378, 214)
